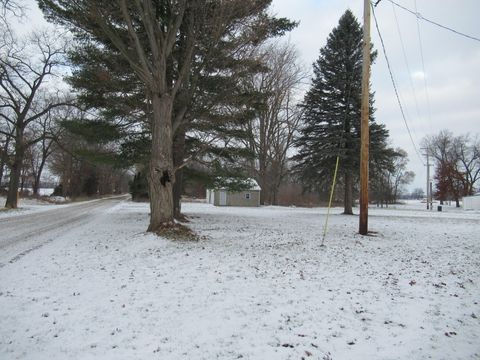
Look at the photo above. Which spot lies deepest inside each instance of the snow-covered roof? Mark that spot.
(249, 184)
(253, 184)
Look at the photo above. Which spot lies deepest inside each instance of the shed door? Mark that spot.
(223, 198)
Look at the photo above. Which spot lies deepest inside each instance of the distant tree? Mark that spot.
(417, 193)
(442, 181)
(457, 162)
(85, 168)
(48, 131)
(440, 148)
(467, 151)
(332, 114)
(270, 133)
(400, 176)
(450, 183)
(5, 145)
(7, 7)
(387, 180)
(26, 96)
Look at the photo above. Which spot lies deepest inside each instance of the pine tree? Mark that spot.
(164, 43)
(332, 114)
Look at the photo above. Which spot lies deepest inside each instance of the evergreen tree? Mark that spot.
(332, 110)
(206, 50)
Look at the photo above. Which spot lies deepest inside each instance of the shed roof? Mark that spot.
(248, 184)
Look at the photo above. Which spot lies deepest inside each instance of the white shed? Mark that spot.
(471, 202)
(222, 196)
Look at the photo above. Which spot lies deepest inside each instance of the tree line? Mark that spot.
(187, 91)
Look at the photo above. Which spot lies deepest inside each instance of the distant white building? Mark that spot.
(471, 202)
(222, 196)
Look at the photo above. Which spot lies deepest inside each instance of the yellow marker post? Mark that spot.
(330, 201)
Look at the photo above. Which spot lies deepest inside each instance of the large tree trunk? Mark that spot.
(38, 175)
(15, 173)
(262, 174)
(36, 185)
(275, 196)
(348, 197)
(161, 175)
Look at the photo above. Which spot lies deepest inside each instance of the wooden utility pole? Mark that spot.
(428, 180)
(429, 183)
(365, 138)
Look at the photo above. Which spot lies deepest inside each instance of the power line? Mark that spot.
(427, 96)
(395, 86)
(421, 17)
(412, 86)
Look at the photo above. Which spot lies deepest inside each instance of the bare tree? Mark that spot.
(9, 8)
(440, 146)
(457, 160)
(417, 193)
(388, 180)
(272, 131)
(24, 100)
(47, 131)
(399, 175)
(467, 152)
(5, 144)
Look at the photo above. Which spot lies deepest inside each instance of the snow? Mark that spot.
(25, 206)
(45, 191)
(258, 285)
(250, 183)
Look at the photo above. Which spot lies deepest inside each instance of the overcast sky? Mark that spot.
(451, 63)
(451, 68)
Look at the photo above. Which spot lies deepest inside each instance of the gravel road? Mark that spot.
(22, 234)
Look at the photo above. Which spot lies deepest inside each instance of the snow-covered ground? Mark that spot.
(258, 285)
(25, 206)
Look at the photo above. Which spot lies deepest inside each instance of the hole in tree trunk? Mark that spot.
(165, 177)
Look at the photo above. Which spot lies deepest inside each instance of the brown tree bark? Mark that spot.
(15, 172)
(4, 158)
(36, 178)
(161, 174)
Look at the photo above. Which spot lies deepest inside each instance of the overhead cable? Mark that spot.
(427, 96)
(395, 87)
(405, 59)
(421, 17)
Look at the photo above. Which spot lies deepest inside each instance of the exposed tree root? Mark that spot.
(182, 218)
